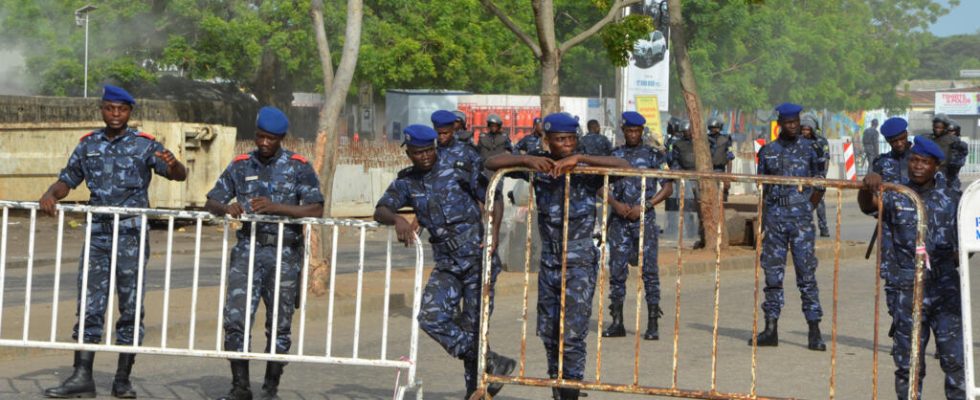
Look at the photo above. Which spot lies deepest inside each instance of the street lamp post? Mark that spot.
(81, 18)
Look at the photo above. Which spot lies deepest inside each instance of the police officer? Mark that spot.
(532, 142)
(447, 204)
(788, 224)
(720, 146)
(459, 127)
(494, 141)
(954, 149)
(594, 142)
(580, 251)
(892, 167)
(941, 311)
(682, 158)
(671, 204)
(869, 141)
(116, 163)
(624, 227)
(275, 181)
(810, 129)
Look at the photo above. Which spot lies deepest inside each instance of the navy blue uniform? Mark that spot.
(286, 178)
(582, 266)
(624, 234)
(788, 223)
(595, 144)
(823, 152)
(941, 312)
(446, 201)
(117, 172)
(893, 168)
(528, 144)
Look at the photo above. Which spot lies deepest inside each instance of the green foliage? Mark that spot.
(944, 57)
(620, 37)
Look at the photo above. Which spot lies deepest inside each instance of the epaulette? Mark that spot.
(405, 172)
(86, 135)
(146, 135)
(241, 157)
(299, 158)
(462, 166)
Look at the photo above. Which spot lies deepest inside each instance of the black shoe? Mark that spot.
(814, 338)
(616, 328)
(80, 383)
(270, 387)
(891, 330)
(500, 366)
(699, 244)
(769, 336)
(653, 329)
(122, 388)
(824, 233)
(569, 394)
(555, 393)
(241, 388)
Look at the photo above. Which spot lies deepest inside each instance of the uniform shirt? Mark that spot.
(899, 230)
(493, 144)
(549, 194)
(286, 178)
(893, 167)
(720, 147)
(444, 201)
(628, 189)
(594, 144)
(784, 157)
(528, 144)
(822, 148)
(117, 172)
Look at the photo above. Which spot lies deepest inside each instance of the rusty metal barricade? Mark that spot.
(674, 390)
(318, 337)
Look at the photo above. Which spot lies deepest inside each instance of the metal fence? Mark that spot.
(632, 385)
(969, 243)
(314, 343)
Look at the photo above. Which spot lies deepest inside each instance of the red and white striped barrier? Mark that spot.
(758, 146)
(850, 170)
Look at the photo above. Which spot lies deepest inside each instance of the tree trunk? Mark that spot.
(335, 88)
(709, 203)
(550, 97)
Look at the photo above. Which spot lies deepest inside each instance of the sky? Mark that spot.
(960, 20)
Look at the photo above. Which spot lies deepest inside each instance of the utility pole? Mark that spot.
(81, 18)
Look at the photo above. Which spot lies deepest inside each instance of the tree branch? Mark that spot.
(513, 27)
(322, 45)
(610, 16)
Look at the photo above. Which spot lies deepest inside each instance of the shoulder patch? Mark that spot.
(405, 172)
(241, 157)
(86, 135)
(146, 135)
(299, 158)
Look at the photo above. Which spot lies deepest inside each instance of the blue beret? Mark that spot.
(537, 120)
(788, 110)
(114, 93)
(443, 118)
(420, 135)
(633, 118)
(893, 127)
(926, 147)
(560, 122)
(272, 120)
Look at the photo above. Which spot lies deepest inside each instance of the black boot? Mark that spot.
(498, 365)
(814, 339)
(270, 388)
(770, 336)
(615, 329)
(653, 330)
(241, 388)
(121, 387)
(569, 394)
(80, 383)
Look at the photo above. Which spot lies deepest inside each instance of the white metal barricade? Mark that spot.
(305, 349)
(969, 237)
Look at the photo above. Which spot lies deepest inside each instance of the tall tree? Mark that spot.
(546, 48)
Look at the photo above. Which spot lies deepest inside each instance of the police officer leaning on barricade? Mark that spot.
(941, 311)
(117, 163)
(580, 251)
(272, 181)
(624, 227)
(788, 224)
(722, 155)
(446, 199)
(810, 129)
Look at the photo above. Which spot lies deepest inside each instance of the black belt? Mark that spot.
(787, 201)
(105, 226)
(448, 246)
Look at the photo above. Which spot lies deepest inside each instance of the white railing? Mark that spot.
(969, 242)
(303, 351)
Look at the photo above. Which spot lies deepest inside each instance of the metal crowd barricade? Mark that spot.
(674, 390)
(969, 243)
(300, 351)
